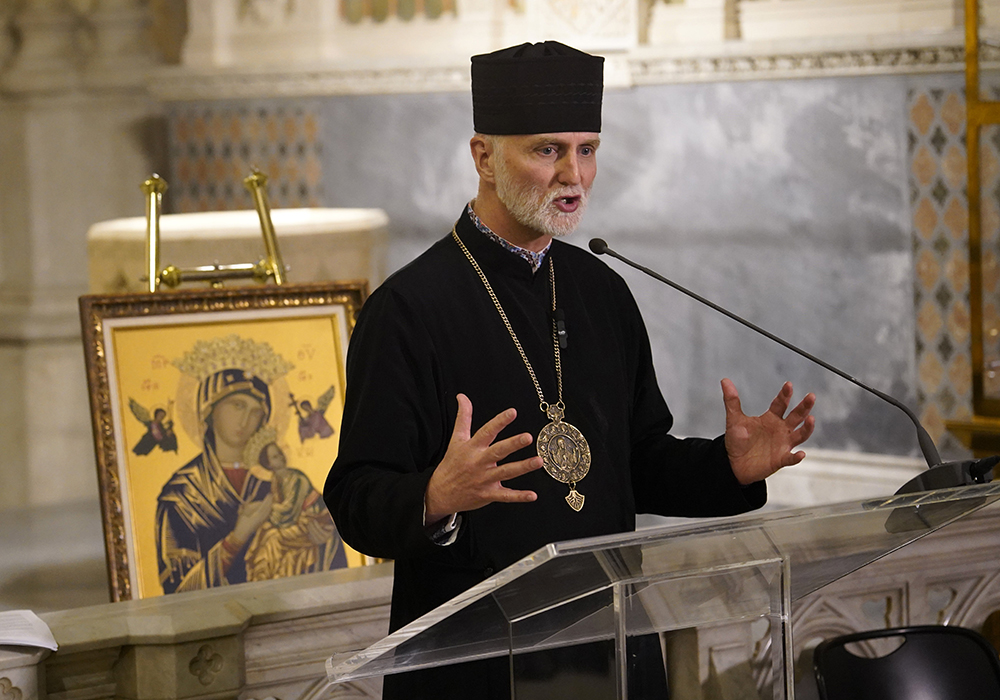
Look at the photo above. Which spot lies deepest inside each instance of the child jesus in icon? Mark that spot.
(299, 536)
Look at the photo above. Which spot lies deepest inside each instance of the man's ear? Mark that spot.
(482, 156)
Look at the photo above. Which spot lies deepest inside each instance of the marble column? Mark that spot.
(76, 128)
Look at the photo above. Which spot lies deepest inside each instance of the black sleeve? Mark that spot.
(393, 432)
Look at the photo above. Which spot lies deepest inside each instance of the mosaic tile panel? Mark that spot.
(214, 147)
(990, 232)
(940, 212)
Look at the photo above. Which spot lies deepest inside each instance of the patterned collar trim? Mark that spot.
(534, 259)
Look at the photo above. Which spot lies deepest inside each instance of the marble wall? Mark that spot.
(788, 201)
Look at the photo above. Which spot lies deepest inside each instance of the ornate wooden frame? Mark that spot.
(253, 303)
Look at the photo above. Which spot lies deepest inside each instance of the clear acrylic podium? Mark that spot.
(606, 591)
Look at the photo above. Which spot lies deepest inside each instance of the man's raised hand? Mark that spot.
(760, 445)
(469, 477)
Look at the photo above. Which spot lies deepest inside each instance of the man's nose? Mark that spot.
(569, 170)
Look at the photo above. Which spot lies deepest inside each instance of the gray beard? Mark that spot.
(531, 206)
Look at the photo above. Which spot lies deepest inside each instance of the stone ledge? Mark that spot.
(184, 617)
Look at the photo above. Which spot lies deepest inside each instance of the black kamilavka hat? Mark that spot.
(537, 89)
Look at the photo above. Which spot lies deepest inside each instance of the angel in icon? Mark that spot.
(159, 428)
(312, 421)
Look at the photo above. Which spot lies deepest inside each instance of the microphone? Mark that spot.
(937, 476)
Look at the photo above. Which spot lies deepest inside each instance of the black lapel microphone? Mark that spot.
(938, 475)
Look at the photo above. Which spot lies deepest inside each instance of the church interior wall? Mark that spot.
(826, 208)
(785, 200)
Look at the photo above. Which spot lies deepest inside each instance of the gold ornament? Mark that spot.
(564, 451)
(207, 357)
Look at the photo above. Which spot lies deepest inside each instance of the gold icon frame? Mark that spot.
(131, 343)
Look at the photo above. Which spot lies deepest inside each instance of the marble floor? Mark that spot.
(52, 558)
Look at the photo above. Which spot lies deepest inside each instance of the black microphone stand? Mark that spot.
(938, 475)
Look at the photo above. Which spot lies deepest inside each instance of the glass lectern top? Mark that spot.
(660, 579)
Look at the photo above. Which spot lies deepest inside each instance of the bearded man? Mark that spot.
(547, 344)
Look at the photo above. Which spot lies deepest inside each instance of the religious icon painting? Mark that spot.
(216, 417)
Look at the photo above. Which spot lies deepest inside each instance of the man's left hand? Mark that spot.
(760, 445)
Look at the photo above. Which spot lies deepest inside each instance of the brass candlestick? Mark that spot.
(172, 276)
(153, 188)
(256, 182)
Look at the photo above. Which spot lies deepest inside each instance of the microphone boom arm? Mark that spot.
(927, 447)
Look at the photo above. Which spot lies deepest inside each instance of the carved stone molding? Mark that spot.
(180, 84)
(9, 691)
(725, 61)
(206, 664)
(735, 65)
(58, 46)
(47, 56)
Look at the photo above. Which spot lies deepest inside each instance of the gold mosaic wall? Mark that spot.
(213, 148)
(937, 153)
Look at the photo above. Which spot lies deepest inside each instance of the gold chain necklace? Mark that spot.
(564, 451)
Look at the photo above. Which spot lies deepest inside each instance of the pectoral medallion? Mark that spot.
(565, 454)
(563, 449)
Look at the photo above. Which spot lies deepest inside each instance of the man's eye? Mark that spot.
(547, 150)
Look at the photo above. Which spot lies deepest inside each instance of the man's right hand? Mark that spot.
(469, 477)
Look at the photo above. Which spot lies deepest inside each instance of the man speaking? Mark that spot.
(500, 388)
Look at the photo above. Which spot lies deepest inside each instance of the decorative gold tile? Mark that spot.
(958, 326)
(960, 375)
(273, 166)
(953, 167)
(956, 219)
(922, 114)
(254, 128)
(956, 270)
(223, 144)
(219, 170)
(181, 127)
(925, 219)
(313, 170)
(953, 113)
(291, 129)
(932, 420)
(928, 270)
(310, 128)
(990, 270)
(198, 129)
(988, 166)
(924, 166)
(990, 215)
(991, 323)
(963, 411)
(217, 128)
(929, 321)
(235, 134)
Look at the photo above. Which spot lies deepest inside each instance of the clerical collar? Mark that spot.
(534, 259)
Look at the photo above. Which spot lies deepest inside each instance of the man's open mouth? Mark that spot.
(568, 204)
